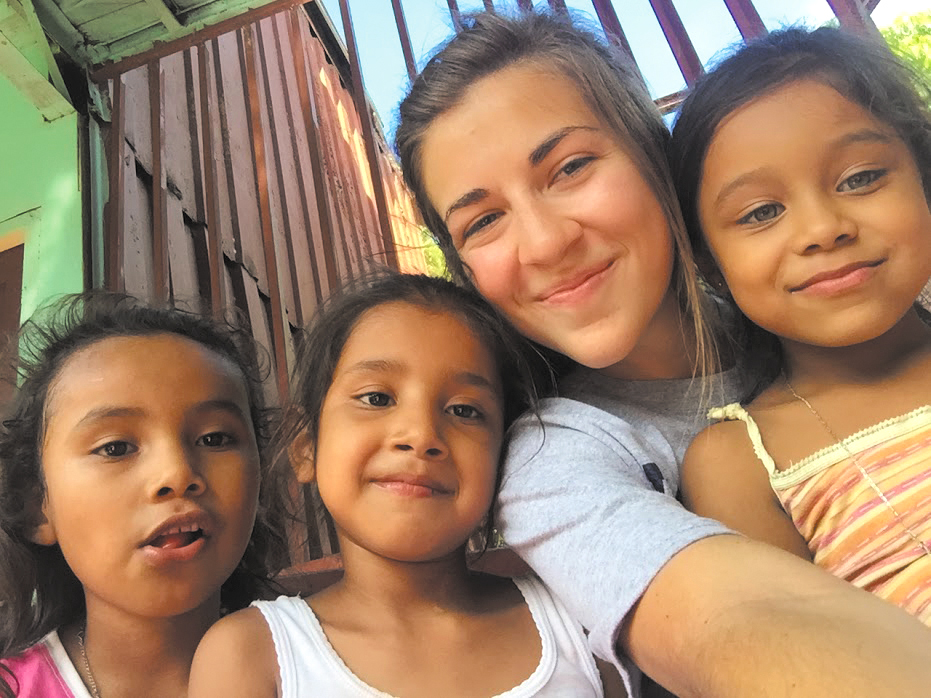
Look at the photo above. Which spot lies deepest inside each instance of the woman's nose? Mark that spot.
(546, 233)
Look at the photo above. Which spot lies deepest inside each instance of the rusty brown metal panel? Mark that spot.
(113, 260)
(302, 260)
(247, 56)
(678, 39)
(289, 148)
(322, 75)
(746, 18)
(333, 141)
(364, 114)
(159, 189)
(214, 247)
(321, 235)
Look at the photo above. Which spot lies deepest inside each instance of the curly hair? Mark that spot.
(39, 590)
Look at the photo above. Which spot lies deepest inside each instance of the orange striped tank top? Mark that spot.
(850, 531)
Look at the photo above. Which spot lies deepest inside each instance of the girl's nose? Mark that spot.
(417, 432)
(824, 225)
(177, 474)
(546, 233)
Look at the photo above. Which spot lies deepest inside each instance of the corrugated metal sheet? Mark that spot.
(239, 177)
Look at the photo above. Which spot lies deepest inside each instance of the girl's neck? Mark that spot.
(667, 349)
(444, 584)
(129, 655)
(876, 360)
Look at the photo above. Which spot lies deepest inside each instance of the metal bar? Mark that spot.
(368, 135)
(405, 38)
(489, 5)
(311, 124)
(113, 260)
(211, 204)
(612, 29)
(611, 25)
(559, 7)
(871, 5)
(159, 190)
(108, 71)
(525, 5)
(670, 103)
(853, 16)
(746, 18)
(678, 39)
(254, 116)
(454, 14)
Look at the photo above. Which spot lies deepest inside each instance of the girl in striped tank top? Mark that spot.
(803, 163)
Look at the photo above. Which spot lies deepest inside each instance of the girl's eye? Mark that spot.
(115, 449)
(762, 214)
(573, 166)
(376, 399)
(465, 411)
(860, 180)
(478, 225)
(215, 439)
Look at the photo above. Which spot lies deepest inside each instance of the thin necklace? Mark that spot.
(87, 665)
(856, 461)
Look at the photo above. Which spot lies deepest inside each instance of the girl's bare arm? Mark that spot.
(723, 479)
(236, 658)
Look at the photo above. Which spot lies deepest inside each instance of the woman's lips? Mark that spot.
(576, 287)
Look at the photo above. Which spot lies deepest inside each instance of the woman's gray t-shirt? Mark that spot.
(588, 497)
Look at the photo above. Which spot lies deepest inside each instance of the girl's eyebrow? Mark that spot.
(112, 412)
(386, 365)
(537, 155)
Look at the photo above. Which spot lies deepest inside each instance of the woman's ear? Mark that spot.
(301, 454)
(43, 533)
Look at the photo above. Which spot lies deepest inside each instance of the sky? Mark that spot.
(708, 23)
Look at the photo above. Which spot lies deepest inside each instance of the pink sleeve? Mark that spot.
(36, 675)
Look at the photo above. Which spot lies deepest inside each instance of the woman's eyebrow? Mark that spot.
(541, 151)
(467, 199)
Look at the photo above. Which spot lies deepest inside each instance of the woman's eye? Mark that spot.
(762, 214)
(573, 166)
(215, 439)
(115, 449)
(478, 225)
(860, 180)
(465, 411)
(376, 399)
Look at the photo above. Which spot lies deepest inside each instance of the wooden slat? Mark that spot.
(159, 191)
(261, 172)
(214, 250)
(113, 273)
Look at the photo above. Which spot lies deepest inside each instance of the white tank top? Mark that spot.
(307, 661)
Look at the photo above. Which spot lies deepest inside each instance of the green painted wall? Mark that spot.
(39, 177)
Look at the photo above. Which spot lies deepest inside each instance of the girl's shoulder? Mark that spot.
(236, 657)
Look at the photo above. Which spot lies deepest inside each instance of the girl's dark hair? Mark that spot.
(39, 590)
(335, 320)
(611, 87)
(863, 70)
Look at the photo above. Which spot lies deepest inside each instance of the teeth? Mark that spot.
(189, 528)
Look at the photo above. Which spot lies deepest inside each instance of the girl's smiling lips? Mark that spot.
(570, 291)
(839, 279)
(411, 485)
